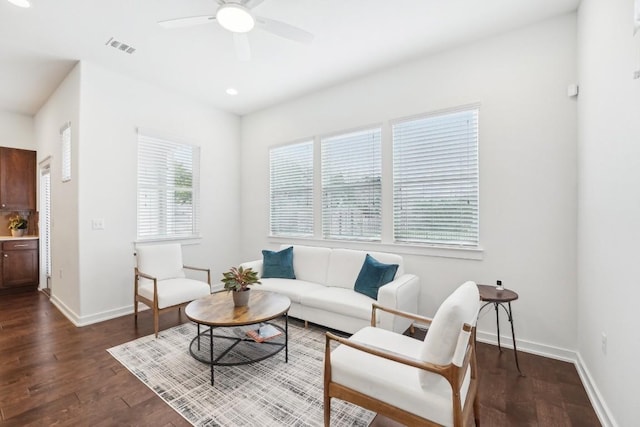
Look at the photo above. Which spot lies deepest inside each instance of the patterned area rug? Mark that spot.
(267, 393)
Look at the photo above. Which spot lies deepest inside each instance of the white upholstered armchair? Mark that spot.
(430, 382)
(160, 281)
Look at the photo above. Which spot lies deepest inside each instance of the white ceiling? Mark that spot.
(40, 45)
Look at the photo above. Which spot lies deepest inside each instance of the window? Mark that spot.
(291, 190)
(351, 185)
(65, 137)
(435, 178)
(168, 189)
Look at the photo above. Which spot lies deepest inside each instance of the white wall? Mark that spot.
(112, 107)
(527, 166)
(609, 204)
(93, 269)
(61, 107)
(17, 131)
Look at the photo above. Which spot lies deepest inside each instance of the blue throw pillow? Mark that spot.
(278, 264)
(373, 275)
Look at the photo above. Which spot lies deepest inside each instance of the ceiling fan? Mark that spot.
(237, 17)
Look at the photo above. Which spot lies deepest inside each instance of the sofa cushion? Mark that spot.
(374, 274)
(278, 264)
(293, 288)
(310, 263)
(339, 300)
(345, 265)
(440, 343)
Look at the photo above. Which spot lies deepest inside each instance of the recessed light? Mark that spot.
(232, 91)
(21, 3)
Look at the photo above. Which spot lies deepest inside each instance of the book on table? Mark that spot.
(264, 333)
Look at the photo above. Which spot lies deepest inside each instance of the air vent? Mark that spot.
(120, 46)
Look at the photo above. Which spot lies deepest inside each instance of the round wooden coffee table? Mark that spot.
(230, 345)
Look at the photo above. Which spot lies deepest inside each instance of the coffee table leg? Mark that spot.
(286, 338)
(211, 351)
(198, 336)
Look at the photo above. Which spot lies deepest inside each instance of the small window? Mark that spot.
(435, 178)
(291, 190)
(351, 186)
(65, 137)
(168, 189)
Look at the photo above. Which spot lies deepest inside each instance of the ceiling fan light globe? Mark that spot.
(235, 18)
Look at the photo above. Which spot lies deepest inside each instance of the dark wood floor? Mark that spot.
(52, 373)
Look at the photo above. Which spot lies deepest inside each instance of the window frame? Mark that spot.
(375, 167)
(468, 108)
(309, 186)
(167, 229)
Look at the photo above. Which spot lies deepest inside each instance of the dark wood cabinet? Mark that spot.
(17, 179)
(20, 267)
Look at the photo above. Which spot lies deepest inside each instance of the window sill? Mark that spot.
(457, 252)
(185, 240)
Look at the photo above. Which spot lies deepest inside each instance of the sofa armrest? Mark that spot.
(400, 294)
(254, 265)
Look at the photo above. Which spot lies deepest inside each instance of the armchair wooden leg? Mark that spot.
(476, 406)
(306, 324)
(327, 409)
(135, 309)
(155, 321)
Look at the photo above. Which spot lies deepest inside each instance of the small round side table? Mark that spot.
(491, 295)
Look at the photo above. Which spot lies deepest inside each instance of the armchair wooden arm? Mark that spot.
(412, 316)
(141, 274)
(200, 269)
(386, 354)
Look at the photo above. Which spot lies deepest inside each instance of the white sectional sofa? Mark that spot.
(323, 289)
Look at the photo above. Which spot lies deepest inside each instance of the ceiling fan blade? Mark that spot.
(284, 30)
(250, 4)
(189, 21)
(243, 49)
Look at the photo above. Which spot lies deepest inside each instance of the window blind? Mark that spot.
(291, 190)
(45, 221)
(351, 185)
(168, 189)
(435, 178)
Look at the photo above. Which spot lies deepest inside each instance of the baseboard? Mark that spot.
(529, 347)
(599, 405)
(81, 321)
(68, 313)
(106, 315)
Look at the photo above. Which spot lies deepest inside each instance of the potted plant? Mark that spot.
(18, 224)
(238, 281)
